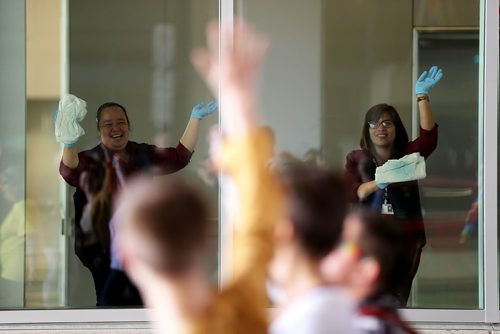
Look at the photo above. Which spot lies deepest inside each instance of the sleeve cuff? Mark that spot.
(434, 129)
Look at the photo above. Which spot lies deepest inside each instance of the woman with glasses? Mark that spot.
(384, 137)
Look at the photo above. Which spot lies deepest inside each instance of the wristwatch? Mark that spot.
(422, 98)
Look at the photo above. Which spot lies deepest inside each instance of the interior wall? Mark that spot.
(446, 13)
(291, 84)
(43, 50)
(367, 59)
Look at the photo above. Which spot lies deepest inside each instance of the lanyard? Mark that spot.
(387, 208)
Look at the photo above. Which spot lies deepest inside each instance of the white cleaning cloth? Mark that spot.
(71, 112)
(408, 168)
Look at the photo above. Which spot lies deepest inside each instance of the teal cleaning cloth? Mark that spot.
(409, 168)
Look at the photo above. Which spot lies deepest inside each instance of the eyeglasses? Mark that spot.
(352, 249)
(385, 124)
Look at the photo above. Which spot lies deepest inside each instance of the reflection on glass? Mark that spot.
(12, 234)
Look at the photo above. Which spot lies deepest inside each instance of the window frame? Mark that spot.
(489, 278)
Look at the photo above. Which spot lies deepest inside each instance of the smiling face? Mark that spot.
(383, 133)
(113, 128)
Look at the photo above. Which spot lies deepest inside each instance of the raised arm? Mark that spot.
(70, 157)
(70, 113)
(427, 121)
(199, 112)
(244, 156)
(246, 150)
(425, 82)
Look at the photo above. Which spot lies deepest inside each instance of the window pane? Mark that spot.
(330, 61)
(12, 158)
(120, 51)
(448, 276)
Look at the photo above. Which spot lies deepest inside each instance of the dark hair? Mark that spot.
(317, 205)
(101, 207)
(373, 114)
(109, 105)
(173, 221)
(383, 239)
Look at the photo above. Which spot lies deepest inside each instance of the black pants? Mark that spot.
(119, 291)
(414, 252)
(97, 261)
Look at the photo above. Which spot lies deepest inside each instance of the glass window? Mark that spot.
(448, 275)
(101, 51)
(142, 62)
(331, 61)
(12, 153)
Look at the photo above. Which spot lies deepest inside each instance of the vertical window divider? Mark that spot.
(226, 16)
(65, 210)
(488, 113)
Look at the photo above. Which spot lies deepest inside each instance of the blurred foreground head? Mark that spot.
(312, 225)
(369, 261)
(316, 206)
(163, 226)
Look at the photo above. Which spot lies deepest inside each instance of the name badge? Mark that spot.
(387, 209)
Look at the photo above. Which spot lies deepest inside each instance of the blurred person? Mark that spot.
(470, 229)
(113, 125)
(384, 137)
(311, 228)
(313, 156)
(12, 240)
(162, 232)
(368, 263)
(206, 173)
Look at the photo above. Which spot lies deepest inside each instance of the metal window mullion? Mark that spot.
(65, 193)
(226, 16)
(488, 94)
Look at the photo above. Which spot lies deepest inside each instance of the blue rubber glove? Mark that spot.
(65, 144)
(427, 80)
(201, 110)
(382, 185)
